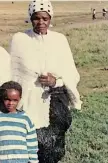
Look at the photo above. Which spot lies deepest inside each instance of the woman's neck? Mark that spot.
(40, 33)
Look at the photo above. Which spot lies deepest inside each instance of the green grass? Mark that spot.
(87, 140)
(89, 45)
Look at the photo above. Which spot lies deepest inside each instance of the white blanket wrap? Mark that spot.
(34, 54)
(5, 66)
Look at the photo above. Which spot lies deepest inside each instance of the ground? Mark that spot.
(87, 139)
(67, 14)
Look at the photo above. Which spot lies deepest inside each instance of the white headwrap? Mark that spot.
(40, 5)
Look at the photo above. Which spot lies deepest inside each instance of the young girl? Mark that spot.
(18, 140)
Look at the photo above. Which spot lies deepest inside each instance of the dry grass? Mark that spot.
(13, 16)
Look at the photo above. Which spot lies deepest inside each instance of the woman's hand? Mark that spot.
(47, 80)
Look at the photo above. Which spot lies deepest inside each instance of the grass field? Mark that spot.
(87, 139)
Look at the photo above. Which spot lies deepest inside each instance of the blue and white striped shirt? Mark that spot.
(18, 139)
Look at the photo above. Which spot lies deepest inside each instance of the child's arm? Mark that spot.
(32, 144)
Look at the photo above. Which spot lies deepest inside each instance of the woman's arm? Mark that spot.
(68, 72)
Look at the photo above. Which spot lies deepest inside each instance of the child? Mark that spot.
(104, 11)
(18, 141)
(94, 14)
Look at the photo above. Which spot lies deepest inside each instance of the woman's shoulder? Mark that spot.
(4, 54)
(2, 50)
(59, 37)
(20, 36)
(20, 40)
(56, 34)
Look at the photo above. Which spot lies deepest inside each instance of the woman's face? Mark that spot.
(40, 22)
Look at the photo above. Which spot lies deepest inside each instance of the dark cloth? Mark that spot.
(51, 139)
(104, 14)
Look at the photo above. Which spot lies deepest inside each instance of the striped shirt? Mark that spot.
(18, 139)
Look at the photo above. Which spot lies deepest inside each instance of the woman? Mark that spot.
(42, 63)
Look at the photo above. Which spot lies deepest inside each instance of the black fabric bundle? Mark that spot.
(51, 139)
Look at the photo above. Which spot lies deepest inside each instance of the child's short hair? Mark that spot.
(10, 85)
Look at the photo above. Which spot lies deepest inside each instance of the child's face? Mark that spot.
(11, 100)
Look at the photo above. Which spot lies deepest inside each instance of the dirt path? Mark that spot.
(81, 24)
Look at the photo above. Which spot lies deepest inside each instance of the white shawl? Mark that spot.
(5, 66)
(33, 54)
